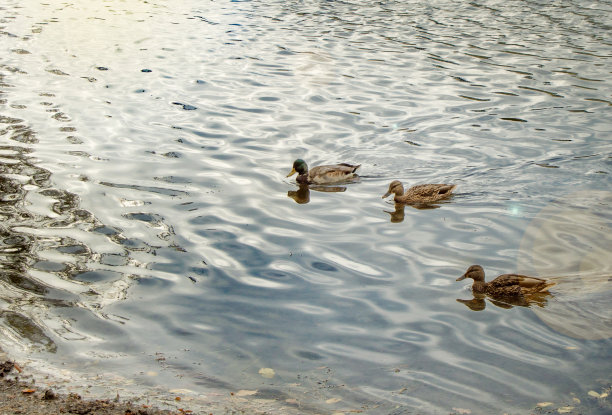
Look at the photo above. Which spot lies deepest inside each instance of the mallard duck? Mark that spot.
(506, 285)
(333, 173)
(420, 194)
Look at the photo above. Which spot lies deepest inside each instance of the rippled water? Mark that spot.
(150, 237)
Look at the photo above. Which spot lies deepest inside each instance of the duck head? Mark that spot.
(474, 272)
(395, 187)
(299, 166)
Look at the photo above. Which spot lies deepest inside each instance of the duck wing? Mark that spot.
(431, 190)
(525, 283)
(506, 280)
(349, 167)
(332, 173)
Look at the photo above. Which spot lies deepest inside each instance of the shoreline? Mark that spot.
(20, 394)
(25, 391)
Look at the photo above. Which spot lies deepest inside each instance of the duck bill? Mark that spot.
(464, 276)
(386, 195)
(291, 173)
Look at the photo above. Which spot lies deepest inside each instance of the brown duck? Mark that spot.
(506, 285)
(420, 194)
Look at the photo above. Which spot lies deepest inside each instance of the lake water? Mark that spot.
(151, 243)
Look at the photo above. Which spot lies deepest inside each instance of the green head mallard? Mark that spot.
(328, 174)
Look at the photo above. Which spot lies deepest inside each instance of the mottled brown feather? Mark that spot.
(505, 284)
(420, 194)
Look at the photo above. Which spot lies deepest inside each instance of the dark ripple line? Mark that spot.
(151, 189)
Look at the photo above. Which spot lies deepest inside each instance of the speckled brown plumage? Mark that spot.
(420, 194)
(506, 285)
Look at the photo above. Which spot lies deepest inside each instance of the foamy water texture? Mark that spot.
(150, 241)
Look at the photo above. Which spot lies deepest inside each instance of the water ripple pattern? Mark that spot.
(149, 232)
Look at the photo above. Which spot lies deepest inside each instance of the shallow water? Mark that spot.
(150, 237)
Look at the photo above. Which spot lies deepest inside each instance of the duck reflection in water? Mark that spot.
(478, 303)
(302, 194)
(398, 214)
(506, 291)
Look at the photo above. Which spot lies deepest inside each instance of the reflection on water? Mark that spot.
(397, 215)
(302, 195)
(478, 303)
(148, 232)
(48, 245)
(19, 249)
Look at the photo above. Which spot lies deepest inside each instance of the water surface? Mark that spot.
(151, 239)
